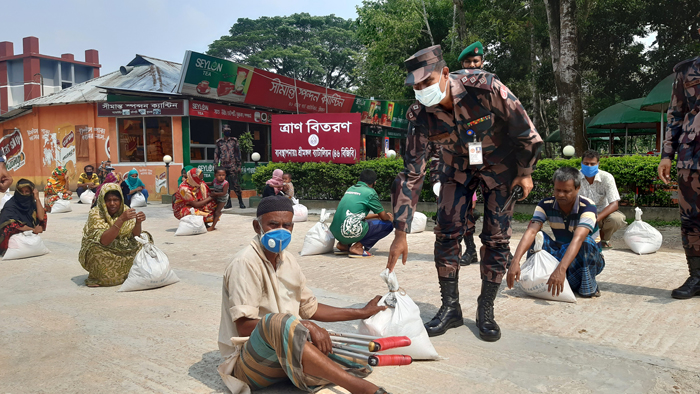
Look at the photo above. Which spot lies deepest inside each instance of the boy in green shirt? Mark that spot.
(355, 230)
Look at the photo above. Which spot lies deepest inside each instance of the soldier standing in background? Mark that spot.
(486, 137)
(683, 137)
(472, 57)
(227, 154)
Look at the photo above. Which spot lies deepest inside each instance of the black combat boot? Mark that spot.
(240, 202)
(470, 255)
(228, 203)
(488, 328)
(691, 287)
(450, 313)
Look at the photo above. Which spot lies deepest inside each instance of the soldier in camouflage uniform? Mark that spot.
(683, 137)
(227, 154)
(454, 111)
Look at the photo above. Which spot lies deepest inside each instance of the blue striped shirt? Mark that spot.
(583, 213)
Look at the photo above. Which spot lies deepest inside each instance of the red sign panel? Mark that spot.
(316, 137)
(276, 91)
(227, 112)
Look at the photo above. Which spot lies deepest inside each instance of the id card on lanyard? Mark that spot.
(475, 154)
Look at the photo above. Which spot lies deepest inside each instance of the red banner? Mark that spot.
(227, 112)
(276, 91)
(316, 138)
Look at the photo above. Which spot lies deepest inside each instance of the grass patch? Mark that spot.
(429, 214)
(659, 223)
(522, 217)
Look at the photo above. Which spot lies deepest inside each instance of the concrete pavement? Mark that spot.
(56, 335)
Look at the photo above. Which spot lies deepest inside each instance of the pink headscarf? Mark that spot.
(276, 181)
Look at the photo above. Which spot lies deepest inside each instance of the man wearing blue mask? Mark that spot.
(600, 187)
(487, 141)
(266, 335)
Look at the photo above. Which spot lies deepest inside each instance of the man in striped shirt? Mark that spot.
(572, 219)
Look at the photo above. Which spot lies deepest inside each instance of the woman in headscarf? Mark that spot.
(135, 185)
(274, 185)
(23, 212)
(108, 248)
(194, 193)
(110, 178)
(56, 188)
(183, 175)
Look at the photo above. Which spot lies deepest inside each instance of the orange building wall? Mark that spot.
(49, 138)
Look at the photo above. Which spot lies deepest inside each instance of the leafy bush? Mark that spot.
(636, 178)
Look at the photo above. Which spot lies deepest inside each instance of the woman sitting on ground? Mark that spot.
(56, 188)
(135, 185)
(109, 247)
(23, 212)
(274, 185)
(194, 194)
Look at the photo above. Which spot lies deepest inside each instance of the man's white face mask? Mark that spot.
(432, 95)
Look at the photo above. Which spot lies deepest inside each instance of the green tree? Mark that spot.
(316, 49)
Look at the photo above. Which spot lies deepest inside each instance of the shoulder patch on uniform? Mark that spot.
(476, 78)
(414, 110)
(685, 63)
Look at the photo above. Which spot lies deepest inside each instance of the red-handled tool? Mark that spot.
(382, 360)
(388, 343)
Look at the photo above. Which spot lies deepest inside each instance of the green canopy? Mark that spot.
(659, 98)
(553, 137)
(599, 132)
(625, 115)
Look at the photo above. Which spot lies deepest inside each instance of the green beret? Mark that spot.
(475, 49)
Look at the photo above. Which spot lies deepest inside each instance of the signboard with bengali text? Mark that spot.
(142, 108)
(227, 112)
(316, 138)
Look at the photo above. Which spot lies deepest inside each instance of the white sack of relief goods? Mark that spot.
(191, 225)
(5, 199)
(87, 197)
(401, 320)
(138, 200)
(319, 239)
(23, 245)
(151, 268)
(61, 206)
(641, 237)
(301, 213)
(535, 273)
(418, 223)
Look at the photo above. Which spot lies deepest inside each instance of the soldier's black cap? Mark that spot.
(422, 64)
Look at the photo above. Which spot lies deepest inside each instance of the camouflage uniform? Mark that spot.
(227, 154)
(683, 137)
(484, 110)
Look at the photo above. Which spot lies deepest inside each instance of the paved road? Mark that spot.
(58, 336)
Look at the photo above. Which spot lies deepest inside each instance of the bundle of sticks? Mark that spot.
(343, 346)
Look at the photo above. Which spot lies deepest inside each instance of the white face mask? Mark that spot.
(432, 95)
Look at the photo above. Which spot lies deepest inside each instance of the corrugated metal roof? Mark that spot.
(148, 75)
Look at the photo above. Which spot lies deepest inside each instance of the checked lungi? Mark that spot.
(587, 264)
(273, 355)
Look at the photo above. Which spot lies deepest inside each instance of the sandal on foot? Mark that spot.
(605, 245)
(364, 254)
(341, 252)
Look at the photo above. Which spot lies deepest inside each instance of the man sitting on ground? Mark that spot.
(262, 335)
(88, 180)
(600, 187)
(355, 229)
(572, 219)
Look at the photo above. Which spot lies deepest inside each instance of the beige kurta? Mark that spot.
(252, 288)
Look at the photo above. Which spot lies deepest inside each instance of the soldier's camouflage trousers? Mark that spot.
(232, 174)
(453, 203)
(689, 202)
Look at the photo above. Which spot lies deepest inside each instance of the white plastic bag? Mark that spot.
(418, 223)
(138, 200)
(191, 225)
(23, 245)
(61, 206)
(319, 239)
(151, 268)
(5, 199)
(87, 197)
(536, 271)
(436, 189)
(641, 237)
(301, 213)
(401, 320)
